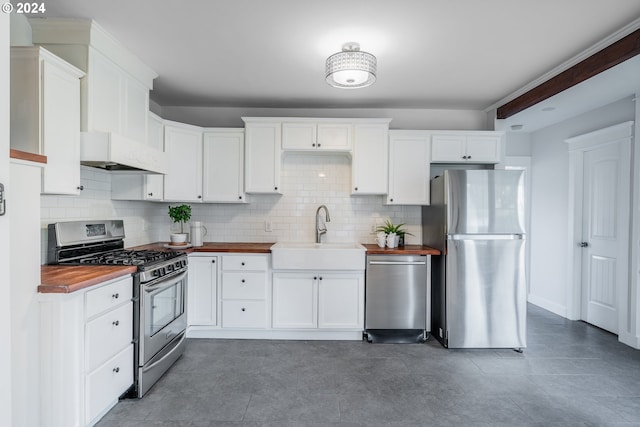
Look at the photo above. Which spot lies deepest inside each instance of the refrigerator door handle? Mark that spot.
(485, 236)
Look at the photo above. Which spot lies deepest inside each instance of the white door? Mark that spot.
(605, 231)
(295, 300)
(202, 291)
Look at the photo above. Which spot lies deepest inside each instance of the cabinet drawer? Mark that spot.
(109, 296)
(231, 262)
(108, 334)
(240, 285)
(244, 314)
(108, 382)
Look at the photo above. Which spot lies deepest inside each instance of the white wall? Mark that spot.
(549, 201)
(5, 230)
(401, 118)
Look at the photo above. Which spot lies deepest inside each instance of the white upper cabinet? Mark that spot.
(183, 144)
(369, 165)
(466, 147)
(307, 135)
(263, 140)
(115, 91)
(409, 153)
(223, 157)
(45, 115)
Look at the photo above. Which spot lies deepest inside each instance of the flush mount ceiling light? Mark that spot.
(351, 68)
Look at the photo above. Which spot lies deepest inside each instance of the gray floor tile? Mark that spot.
(570, 375)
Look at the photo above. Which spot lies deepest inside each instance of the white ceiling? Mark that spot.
(456, 54)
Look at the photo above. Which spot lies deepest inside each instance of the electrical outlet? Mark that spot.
(268, 226)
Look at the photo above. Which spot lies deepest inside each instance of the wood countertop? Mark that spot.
(401, 250)
(64, 279)
(238, 247)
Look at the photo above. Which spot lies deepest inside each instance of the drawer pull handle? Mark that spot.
(116, 323)
(115, 296)
(116, 369)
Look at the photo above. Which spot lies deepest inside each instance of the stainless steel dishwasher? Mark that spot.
(397, 298)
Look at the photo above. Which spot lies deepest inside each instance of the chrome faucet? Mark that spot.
(321, 229)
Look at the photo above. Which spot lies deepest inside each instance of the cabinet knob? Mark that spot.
(464, 157)
(116, 369)
(315, 277)
(391, 200)
(116, 323)
(239, 197)
(320, 277)
(150, 194)
(243, 309)
(213, 261)
(356, 189)
(242, 281)
(199, 196)
(313, 145)
(275, 188)
(80, 187)
(318, 145)
(468, 157)
(115, 296)
(242, 264)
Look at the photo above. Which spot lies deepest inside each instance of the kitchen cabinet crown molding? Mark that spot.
(85, 32)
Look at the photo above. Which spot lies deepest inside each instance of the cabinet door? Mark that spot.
(262, 157)
(334, 136)
(409, 169)
(370, 164)
(448, 148)
(154, 187)
(155, 132)
(223, 168)
(294, 301)
(202, 291)
(104, 96)
(184, 181)
(341, 301)
(484, 149)
(60, 130)
(299, 136)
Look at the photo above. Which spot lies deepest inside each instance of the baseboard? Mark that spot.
(551, 306)
(630, 340)
(274, 334)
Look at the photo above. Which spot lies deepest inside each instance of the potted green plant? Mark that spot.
(394, 230)
(180, 214)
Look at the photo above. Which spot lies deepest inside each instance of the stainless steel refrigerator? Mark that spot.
(476, 218)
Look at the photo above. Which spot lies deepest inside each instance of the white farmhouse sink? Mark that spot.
(318, 256)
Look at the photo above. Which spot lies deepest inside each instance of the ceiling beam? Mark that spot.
(609, 57)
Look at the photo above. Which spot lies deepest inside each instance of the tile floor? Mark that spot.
(571, 374)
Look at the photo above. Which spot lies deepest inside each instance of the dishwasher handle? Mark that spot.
(397, 262)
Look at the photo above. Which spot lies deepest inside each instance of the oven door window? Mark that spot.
(165, 305)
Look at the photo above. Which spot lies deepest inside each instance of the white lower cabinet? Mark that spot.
(323, 300)
(87, 352)
(244, 291)
(202, 291)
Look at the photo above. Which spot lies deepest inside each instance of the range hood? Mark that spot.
(114, 152)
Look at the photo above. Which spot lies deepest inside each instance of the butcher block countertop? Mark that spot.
(401, 250)
(63, 279)
(247, 248)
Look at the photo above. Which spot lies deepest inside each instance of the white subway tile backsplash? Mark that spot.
(307, 180)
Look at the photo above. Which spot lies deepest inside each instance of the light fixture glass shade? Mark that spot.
(351, 68)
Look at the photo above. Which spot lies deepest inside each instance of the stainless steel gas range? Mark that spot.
(159, 290)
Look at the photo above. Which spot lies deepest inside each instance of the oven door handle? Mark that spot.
(161, 286)
(176, 347)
